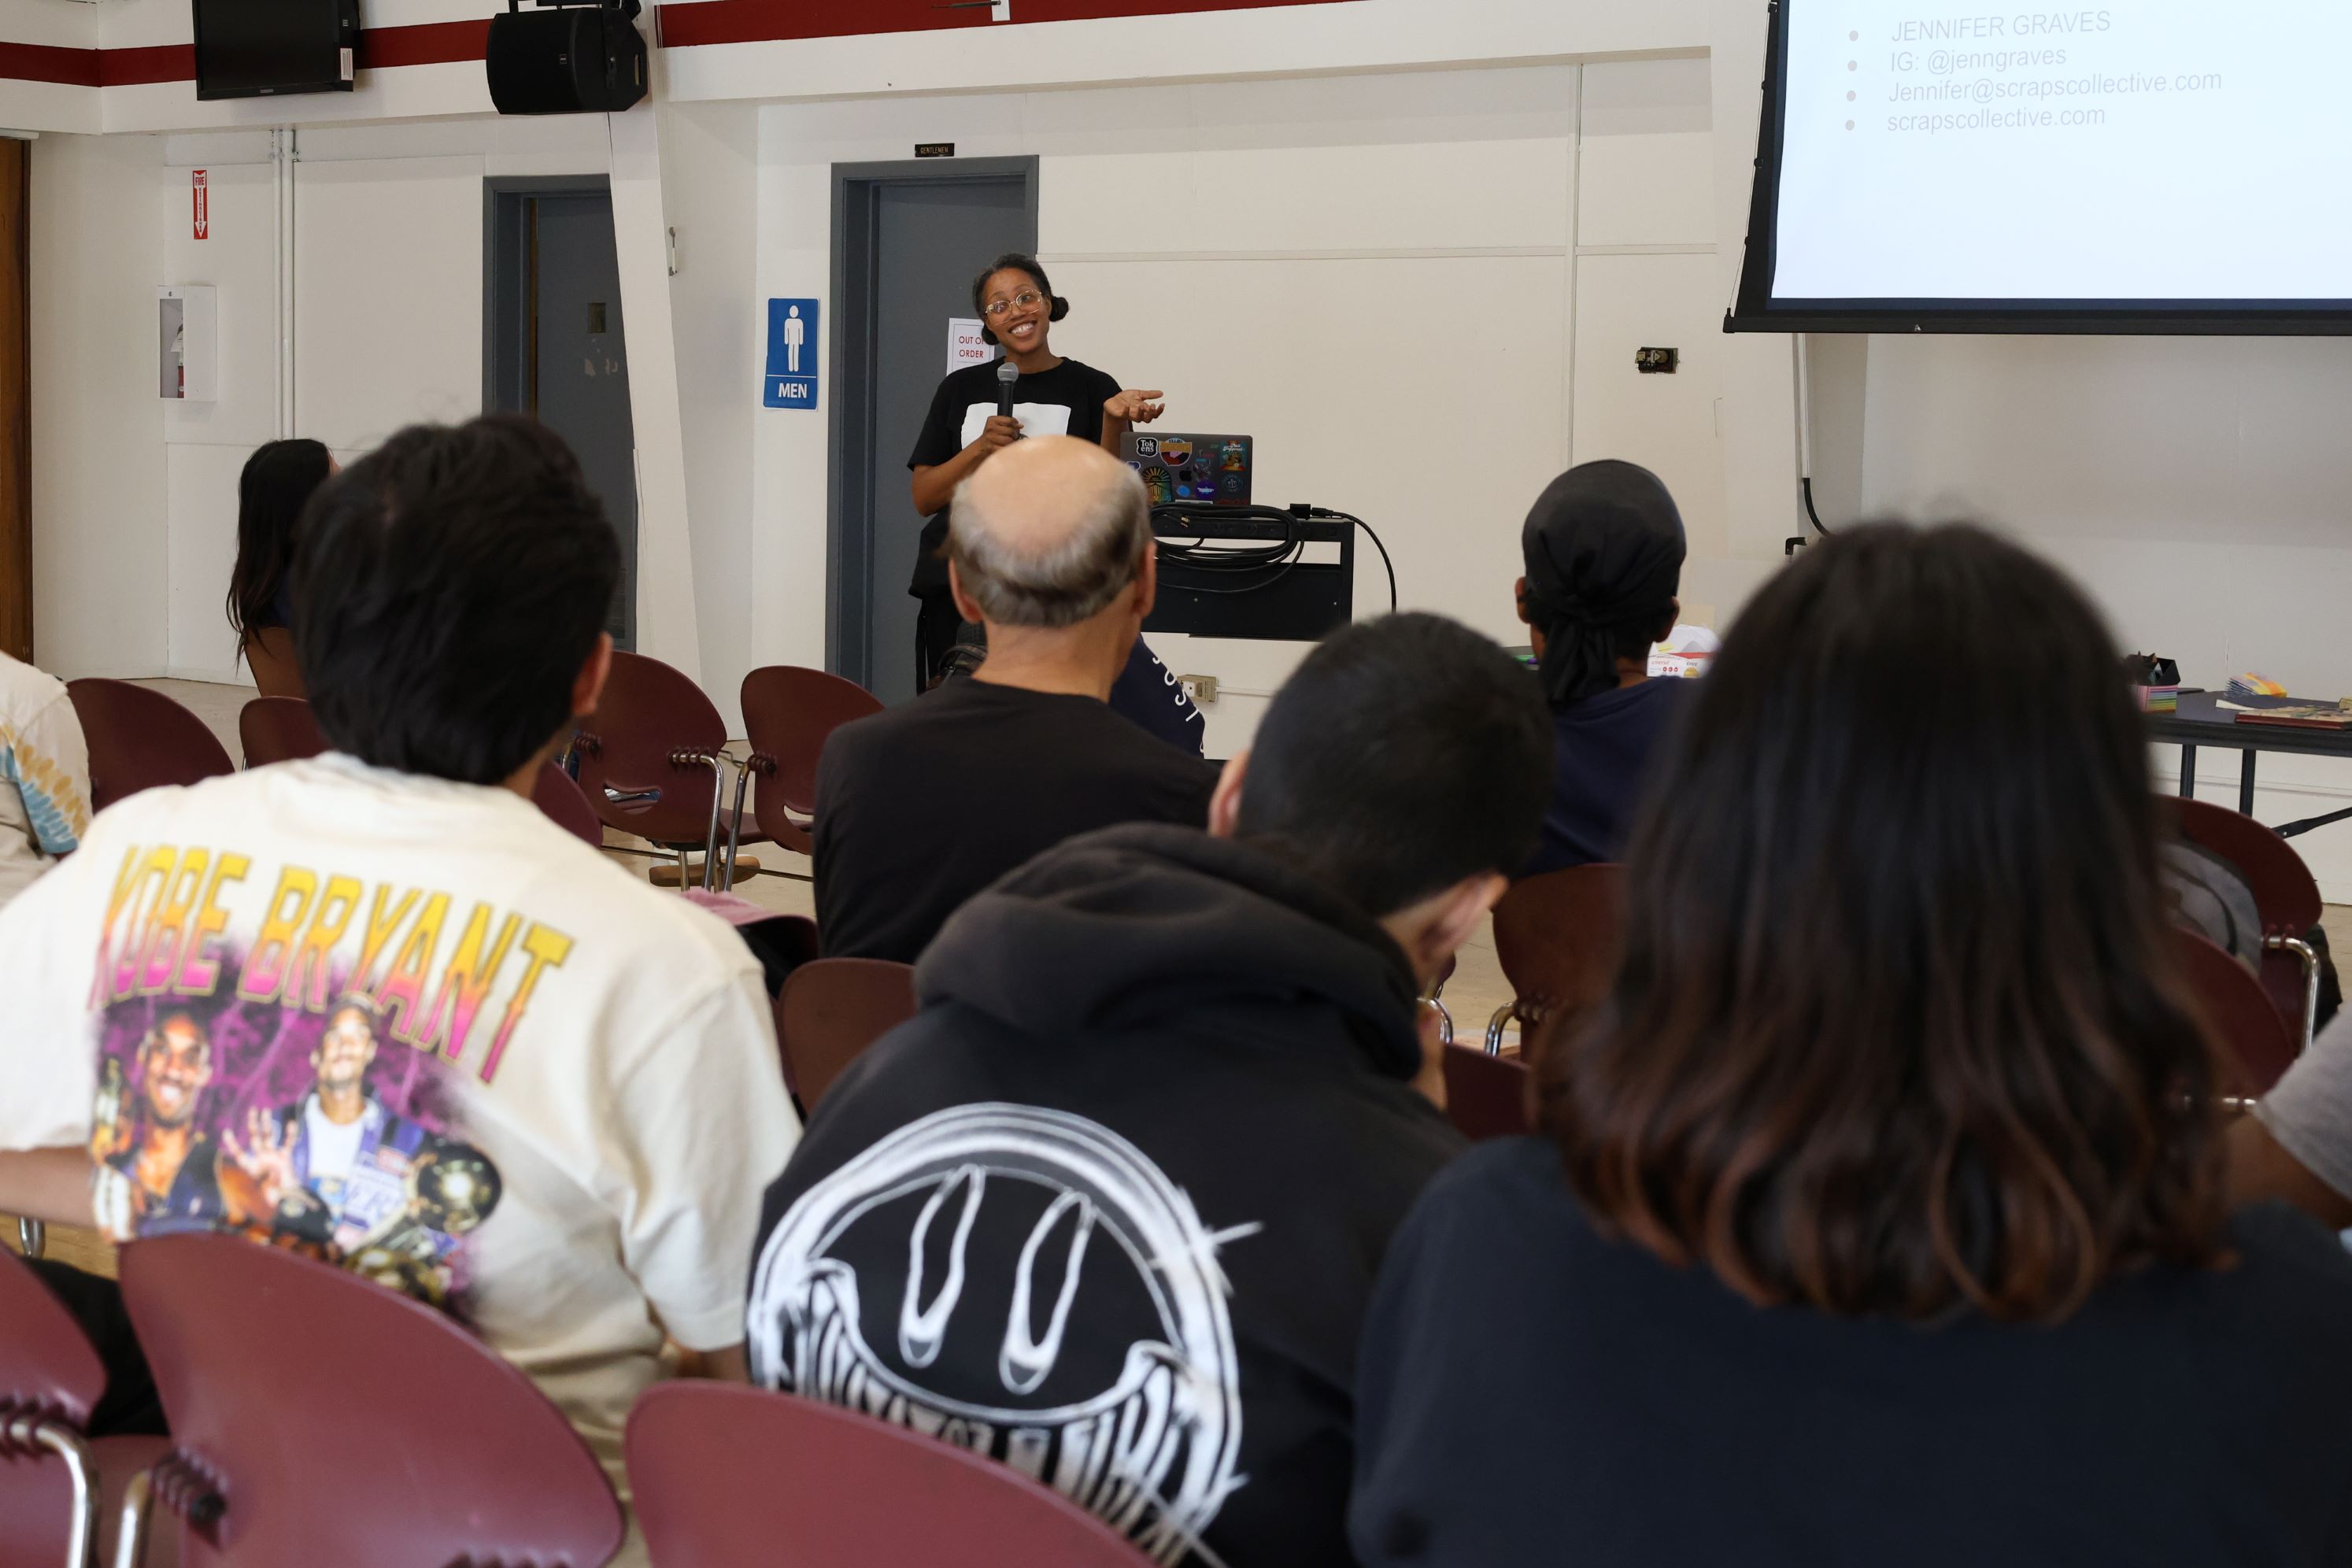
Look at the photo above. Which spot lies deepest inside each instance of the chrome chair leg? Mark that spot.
(1502, 1015)
(2308, 957)
(33, 1237)
(82, 1534)
(137, 1503)
(735, 827)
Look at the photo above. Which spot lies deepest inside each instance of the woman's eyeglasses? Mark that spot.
(1026, 297)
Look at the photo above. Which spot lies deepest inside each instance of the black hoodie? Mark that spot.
(1111, 1208)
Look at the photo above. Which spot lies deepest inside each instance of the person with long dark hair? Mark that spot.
(278, 481)
(1879, 1217)
(1603, 549)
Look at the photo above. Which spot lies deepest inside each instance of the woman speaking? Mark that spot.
(1054, 396)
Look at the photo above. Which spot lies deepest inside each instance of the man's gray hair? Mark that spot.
(1099, 559)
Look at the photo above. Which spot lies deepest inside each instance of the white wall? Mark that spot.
(99, 535)
(135, 505)
(1377, 277)
(711, 187)
(2200, 488)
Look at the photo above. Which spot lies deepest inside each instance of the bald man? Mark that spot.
(1049, 547)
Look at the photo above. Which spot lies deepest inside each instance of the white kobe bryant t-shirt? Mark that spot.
(570, 1092)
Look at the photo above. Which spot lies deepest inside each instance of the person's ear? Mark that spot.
(588, 685)
(1519, 601)
(1226, 805)
(1434, 930)
(966, 605)
(1146, 584)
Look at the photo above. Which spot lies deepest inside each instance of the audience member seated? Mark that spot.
(44, 775)
(2297, 1144)
(918, 809)
(278, 480)
(1882, 1219)
(1146, 690)
(1110, 1209)
(1603, 550)
(377, 1009)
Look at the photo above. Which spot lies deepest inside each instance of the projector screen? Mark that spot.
(2124, 166)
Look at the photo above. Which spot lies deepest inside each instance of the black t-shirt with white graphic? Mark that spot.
(1066, 400)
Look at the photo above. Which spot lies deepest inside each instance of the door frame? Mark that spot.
(849, 505)
(507, 349)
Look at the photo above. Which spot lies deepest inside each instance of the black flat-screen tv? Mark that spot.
(257, 48)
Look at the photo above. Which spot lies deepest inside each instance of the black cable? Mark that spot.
(1818, 526)
(1385, 562)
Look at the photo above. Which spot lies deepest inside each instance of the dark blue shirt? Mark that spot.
(1148, 693)
(1602, 750)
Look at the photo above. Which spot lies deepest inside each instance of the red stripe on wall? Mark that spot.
(765, 21)
(156, 62)
(48, 62)
(423, 43)
(675, 27)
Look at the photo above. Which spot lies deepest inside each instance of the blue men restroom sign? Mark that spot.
(792, 354)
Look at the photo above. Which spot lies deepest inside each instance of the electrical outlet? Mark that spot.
(1200, 689)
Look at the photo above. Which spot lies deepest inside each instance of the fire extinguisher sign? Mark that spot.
(204, 209)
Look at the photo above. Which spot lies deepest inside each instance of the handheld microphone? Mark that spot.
(1007, 372)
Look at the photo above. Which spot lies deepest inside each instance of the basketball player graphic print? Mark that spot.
(1023, 1283)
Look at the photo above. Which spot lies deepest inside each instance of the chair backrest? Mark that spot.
(2287, 895)
(279, 730)
(556, 794)
(788, 712)
(2283, 889)
(2239, 1011)
(1487, 1097)
(725, 1476)
(48, 1373)
(140, 740)
(48, 1367)
(834, 1008)
(341, 1422)
(1559, 937)
(648, 713)
(269, 654)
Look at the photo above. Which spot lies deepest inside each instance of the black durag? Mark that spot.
(1604, 552)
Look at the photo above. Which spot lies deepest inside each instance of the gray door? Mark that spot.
(578, 361)
(929, 240)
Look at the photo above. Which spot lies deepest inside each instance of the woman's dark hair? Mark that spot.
(448, 590)
(1014, 261)
(1896, 1029)
(279, 478)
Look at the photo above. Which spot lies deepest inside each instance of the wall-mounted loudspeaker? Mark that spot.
(566, 59)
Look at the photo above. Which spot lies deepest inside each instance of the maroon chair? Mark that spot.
(1558, 936)
(2285, 895)
(1486, 1095)
(318, 1418)
(788, 712)
(653, 762)
(279, 730)
(726, 1476)
(2240, 1012)
(52, 1479)
(832, 1009)
(556, 794)
(141, 738)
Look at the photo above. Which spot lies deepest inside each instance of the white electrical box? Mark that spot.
(187, 343)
